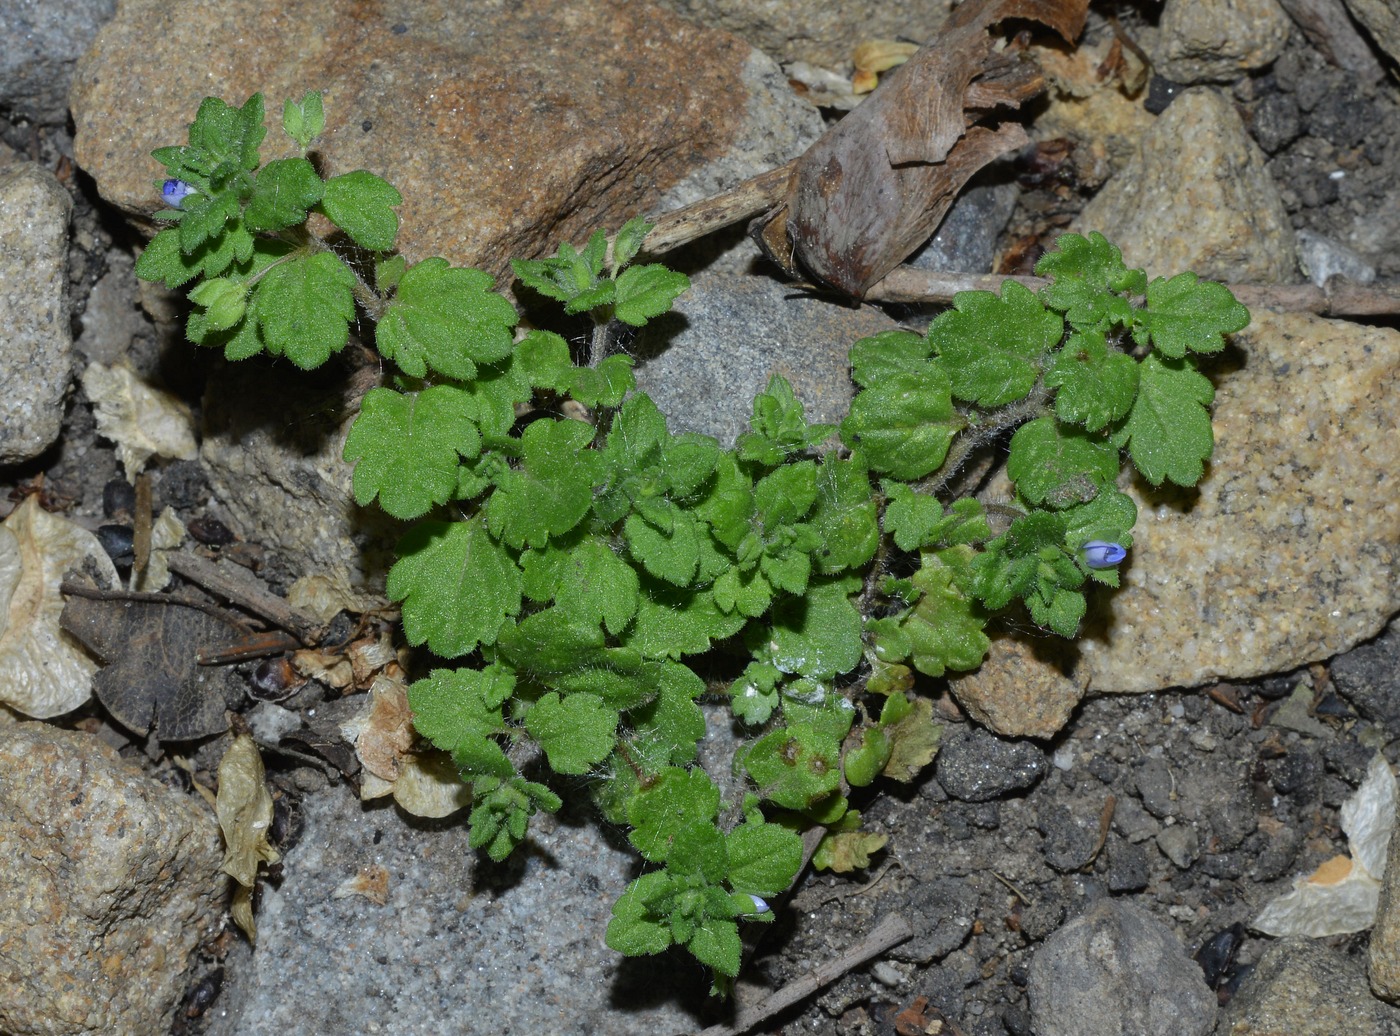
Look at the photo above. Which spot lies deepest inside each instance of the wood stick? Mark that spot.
(244, 592)
(742, 201)
(1338, 298)
(892, 930)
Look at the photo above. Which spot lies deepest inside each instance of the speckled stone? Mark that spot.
(1285, 555)
(1383, 955)
(1197, 197)
(37, 345)
(111, 882)
(1382, 20)
(1303, 988)
(1202, 41)
(506, 126)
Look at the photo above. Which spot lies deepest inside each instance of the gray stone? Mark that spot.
(976, 766)
(1368, 676)
(966, 240)
(1156, 786)
(41, 43)
(1303, 988)
(111, 883)
(1180, 844)
(111, 320)
(461, 945)
(1127, 866)
(1382, 20)
(37, 346)
(730, 334)
(1071, 839)
(1245, 577)
(1197, 196)
(941, 911)
(1117, 970)
(1201, 41)
(1275, 122)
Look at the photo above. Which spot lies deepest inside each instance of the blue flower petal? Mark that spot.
(1101, 554)
(175, 192)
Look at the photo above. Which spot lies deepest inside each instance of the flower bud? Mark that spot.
(1101, 554)
(175, 192)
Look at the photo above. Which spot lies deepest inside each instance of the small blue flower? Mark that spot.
(759, 906)
(1100, 554)
(175, 192)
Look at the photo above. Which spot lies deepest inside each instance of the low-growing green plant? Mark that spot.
(574, 560)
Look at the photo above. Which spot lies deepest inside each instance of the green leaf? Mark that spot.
(459, 710)
(407, 447)
(164, 261)
(304, 122)
(636, 928)
(502, 811)
(672, 555)
(672, 622)
(1059, 466)
(991, 346)
(587, 581)
(887, 354)
(605, 385)
(904, 424)
(945, 628)
(1086, 276)
(545, 355)
(629, 241)
(553, 491)
(846, 518)
(794, 767)
(304, 308)
(447, 319)
(1097, 385)
(786, 495)
(225, 301)
(576, 732)
(754, 696)
(864, 762)
(286, 189)
(670, 728)
(571, 657)
(675, 800)
(780, 428)
(1168, 433)
(644, 292)
(716, 944)
(457, 584)
(361, 204)
(1188, 314)
(818, 635)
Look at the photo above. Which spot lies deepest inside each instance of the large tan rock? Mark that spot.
(506, 126)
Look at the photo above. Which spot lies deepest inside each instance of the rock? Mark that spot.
(1118, 970)
(975, 766)
(1202, 41)
(1246, 577)
(273, 449)
(1180, 844)
(459, 937)
(966, 240)
(731, 332)
(1382, 21)
(1321, 259)
(37, 345)
(942, 911)
(38, 49)
(1384, 952)
(1197, 196)
(112, 881)
(1024, 689)
(507, 127)
(111, 322)
(821, 32)
(1302, 988)
(1071, 839)
(1128, 868)
(1367, 677)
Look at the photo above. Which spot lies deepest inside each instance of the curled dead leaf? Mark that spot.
(142, 421)
(244, 810)
(875, 56)
(43, 670)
